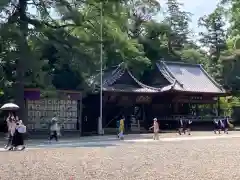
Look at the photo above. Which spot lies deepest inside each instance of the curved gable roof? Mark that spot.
(189, 77)
(121, 79)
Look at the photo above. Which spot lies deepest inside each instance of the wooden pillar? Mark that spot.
(176, 105)
(197, 109)
(79, 120)
(218, 107)
(143, 111)
(25, 120)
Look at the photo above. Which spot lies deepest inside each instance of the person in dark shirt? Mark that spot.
(181, 126)
(226, 124)
(217, 126)
(187, 123)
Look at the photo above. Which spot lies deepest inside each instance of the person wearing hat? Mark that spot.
(155, 128)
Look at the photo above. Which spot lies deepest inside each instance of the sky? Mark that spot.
(198, 8)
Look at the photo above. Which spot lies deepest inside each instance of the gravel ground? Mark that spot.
(185, 160)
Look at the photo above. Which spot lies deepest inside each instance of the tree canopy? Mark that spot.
(56, 43)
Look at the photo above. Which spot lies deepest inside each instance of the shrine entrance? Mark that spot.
(130, 105)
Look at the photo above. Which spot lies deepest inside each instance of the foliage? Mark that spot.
(56, 43)
(179, 23)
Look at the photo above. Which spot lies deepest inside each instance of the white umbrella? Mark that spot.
(9, 106)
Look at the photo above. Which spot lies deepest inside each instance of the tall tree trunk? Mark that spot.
(22, 60)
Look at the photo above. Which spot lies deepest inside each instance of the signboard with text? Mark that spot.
(41, 111)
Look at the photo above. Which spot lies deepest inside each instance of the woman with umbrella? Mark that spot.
(11, 123)
(15, 126)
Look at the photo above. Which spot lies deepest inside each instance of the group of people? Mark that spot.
(184, 126)
(16, 129)
(222, 124)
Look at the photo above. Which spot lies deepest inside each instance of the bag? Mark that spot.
(22, 129)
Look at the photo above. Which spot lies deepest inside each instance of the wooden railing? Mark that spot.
(193, 118)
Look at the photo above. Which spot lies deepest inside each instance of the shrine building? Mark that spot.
(171, 90)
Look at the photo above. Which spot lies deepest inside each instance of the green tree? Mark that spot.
(155, 41)
(19, 30)
(214, 39)
(178, 20)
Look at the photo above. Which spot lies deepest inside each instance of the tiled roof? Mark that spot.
(125, 88)
(113, 81)
(189, 77)
(109, 76)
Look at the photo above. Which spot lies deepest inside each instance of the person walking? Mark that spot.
(217, 126)
(221, 124)
(121, 128)
(181, 126)
(226, 124)
(17, 139)
(187, 123)
(54, 128)
(155, 128)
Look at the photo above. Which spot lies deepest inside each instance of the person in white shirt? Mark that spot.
(54, 128)
(155, 128)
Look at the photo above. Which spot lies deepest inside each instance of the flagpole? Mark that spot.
(100, 132)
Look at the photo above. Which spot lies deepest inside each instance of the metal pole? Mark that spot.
(101, 69)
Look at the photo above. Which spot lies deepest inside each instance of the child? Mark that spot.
(217, 126)
(181, 126)
(187, 124)
(155, 128)
(227, 124)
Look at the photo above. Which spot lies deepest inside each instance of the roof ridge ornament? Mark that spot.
(146, 86)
